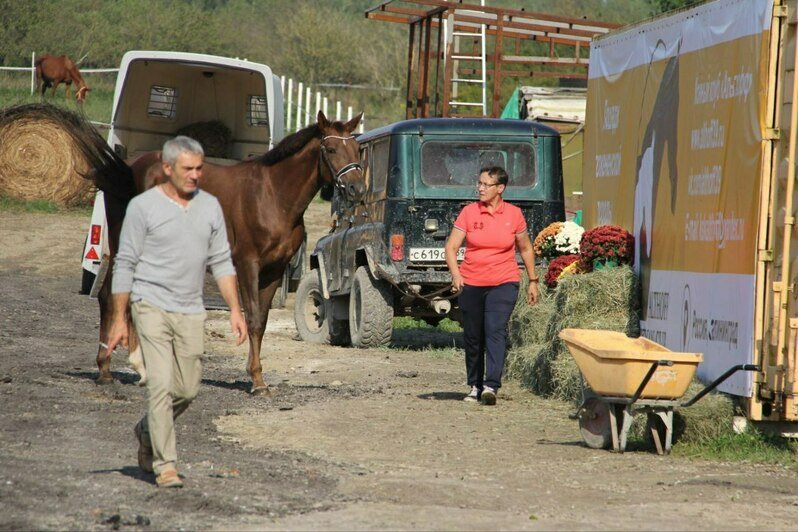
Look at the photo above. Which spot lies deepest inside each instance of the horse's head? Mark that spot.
(340, 154)
(80, 95)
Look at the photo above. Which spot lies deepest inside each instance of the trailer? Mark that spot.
(158, 93)
(689, 146)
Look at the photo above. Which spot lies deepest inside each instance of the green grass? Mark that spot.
(16, 205)
(751, 446)
(41, 206)
(96, 108)
(446, 353)
(442, 342)
(406, 322)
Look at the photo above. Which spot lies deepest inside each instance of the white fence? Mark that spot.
(299, 110)
(303, 112)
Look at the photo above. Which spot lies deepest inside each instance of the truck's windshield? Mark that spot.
(457, 163)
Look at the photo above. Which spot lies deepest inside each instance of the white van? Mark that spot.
(158, 94)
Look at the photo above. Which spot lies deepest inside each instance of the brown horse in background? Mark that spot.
(263, 201)
(52, 70)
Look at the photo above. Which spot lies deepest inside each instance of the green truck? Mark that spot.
(384, 256)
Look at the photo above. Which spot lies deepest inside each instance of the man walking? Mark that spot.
(170, 234)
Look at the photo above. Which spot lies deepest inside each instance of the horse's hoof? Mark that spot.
(102, 380)
(264, 391)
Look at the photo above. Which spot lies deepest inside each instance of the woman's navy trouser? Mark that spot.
(486, 311)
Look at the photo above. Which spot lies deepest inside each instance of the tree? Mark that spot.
(668, 5)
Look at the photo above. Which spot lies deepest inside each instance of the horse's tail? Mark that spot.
(106, 169)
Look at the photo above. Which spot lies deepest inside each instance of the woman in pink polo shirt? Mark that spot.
(488, 279)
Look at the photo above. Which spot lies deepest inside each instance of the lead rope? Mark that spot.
(426, 297)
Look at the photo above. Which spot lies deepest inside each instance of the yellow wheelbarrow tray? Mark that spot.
(626, 376)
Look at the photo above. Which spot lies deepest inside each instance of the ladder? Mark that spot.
(453, 77)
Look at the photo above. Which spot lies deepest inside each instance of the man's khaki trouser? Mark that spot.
(172, 344)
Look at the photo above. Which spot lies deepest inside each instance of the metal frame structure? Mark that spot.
(567, 40)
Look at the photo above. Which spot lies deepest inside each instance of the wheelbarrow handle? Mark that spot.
(716, 382)
(651, 370)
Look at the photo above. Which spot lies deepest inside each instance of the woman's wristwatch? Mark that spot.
(535, 280)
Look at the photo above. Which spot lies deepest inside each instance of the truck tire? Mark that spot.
(310, 310)
(370, 310)
(339, 332)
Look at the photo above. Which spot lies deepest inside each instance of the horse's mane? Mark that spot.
(290, 145)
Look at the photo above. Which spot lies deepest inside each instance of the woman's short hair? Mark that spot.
(496, 172)
(172, 149)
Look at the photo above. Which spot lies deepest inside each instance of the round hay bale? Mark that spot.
(214, 136)
(39, 160)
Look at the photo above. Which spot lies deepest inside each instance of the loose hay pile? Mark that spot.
(214, 136)
(38, 157)
(605, 299)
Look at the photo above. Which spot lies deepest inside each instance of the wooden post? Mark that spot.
(789, 224)
(410, 48)
(438, 59)
(420, 78)
(497, 66)
(424, 74)
(447, 68)
(764, 332)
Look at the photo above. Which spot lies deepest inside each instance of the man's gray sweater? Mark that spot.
(164, 250)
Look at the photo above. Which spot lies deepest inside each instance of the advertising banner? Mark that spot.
(673, 153)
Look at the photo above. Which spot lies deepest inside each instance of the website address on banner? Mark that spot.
(713, 227)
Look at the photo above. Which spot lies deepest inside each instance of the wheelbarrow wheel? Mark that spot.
(594, 424)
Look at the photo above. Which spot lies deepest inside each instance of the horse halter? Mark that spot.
(346, 168)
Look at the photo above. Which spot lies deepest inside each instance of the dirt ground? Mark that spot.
(352, 439)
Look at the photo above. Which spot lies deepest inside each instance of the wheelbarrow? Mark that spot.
(628, 376)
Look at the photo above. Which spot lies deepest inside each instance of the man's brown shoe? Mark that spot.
(145, 449)
(169, 479)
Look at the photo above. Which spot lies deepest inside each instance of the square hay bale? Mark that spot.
(605, 299)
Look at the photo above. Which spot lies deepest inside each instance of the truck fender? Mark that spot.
(378, 270)
(319, 260)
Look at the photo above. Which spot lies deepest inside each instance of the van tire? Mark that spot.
(86, 282)
(370, 310)
(281, 294)
(310, 310)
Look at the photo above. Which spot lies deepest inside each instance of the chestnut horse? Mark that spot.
(263, 201)
(52, 70)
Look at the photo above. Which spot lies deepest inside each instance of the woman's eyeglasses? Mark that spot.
(481, 185)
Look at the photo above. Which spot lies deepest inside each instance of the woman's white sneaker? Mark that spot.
(473, 395)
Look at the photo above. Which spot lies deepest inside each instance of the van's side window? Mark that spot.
(257, 112)
(379, 165)
(163, 102)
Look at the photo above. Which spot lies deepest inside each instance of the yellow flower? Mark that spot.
(571, 269)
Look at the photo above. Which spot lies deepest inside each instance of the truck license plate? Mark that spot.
(432, 254)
